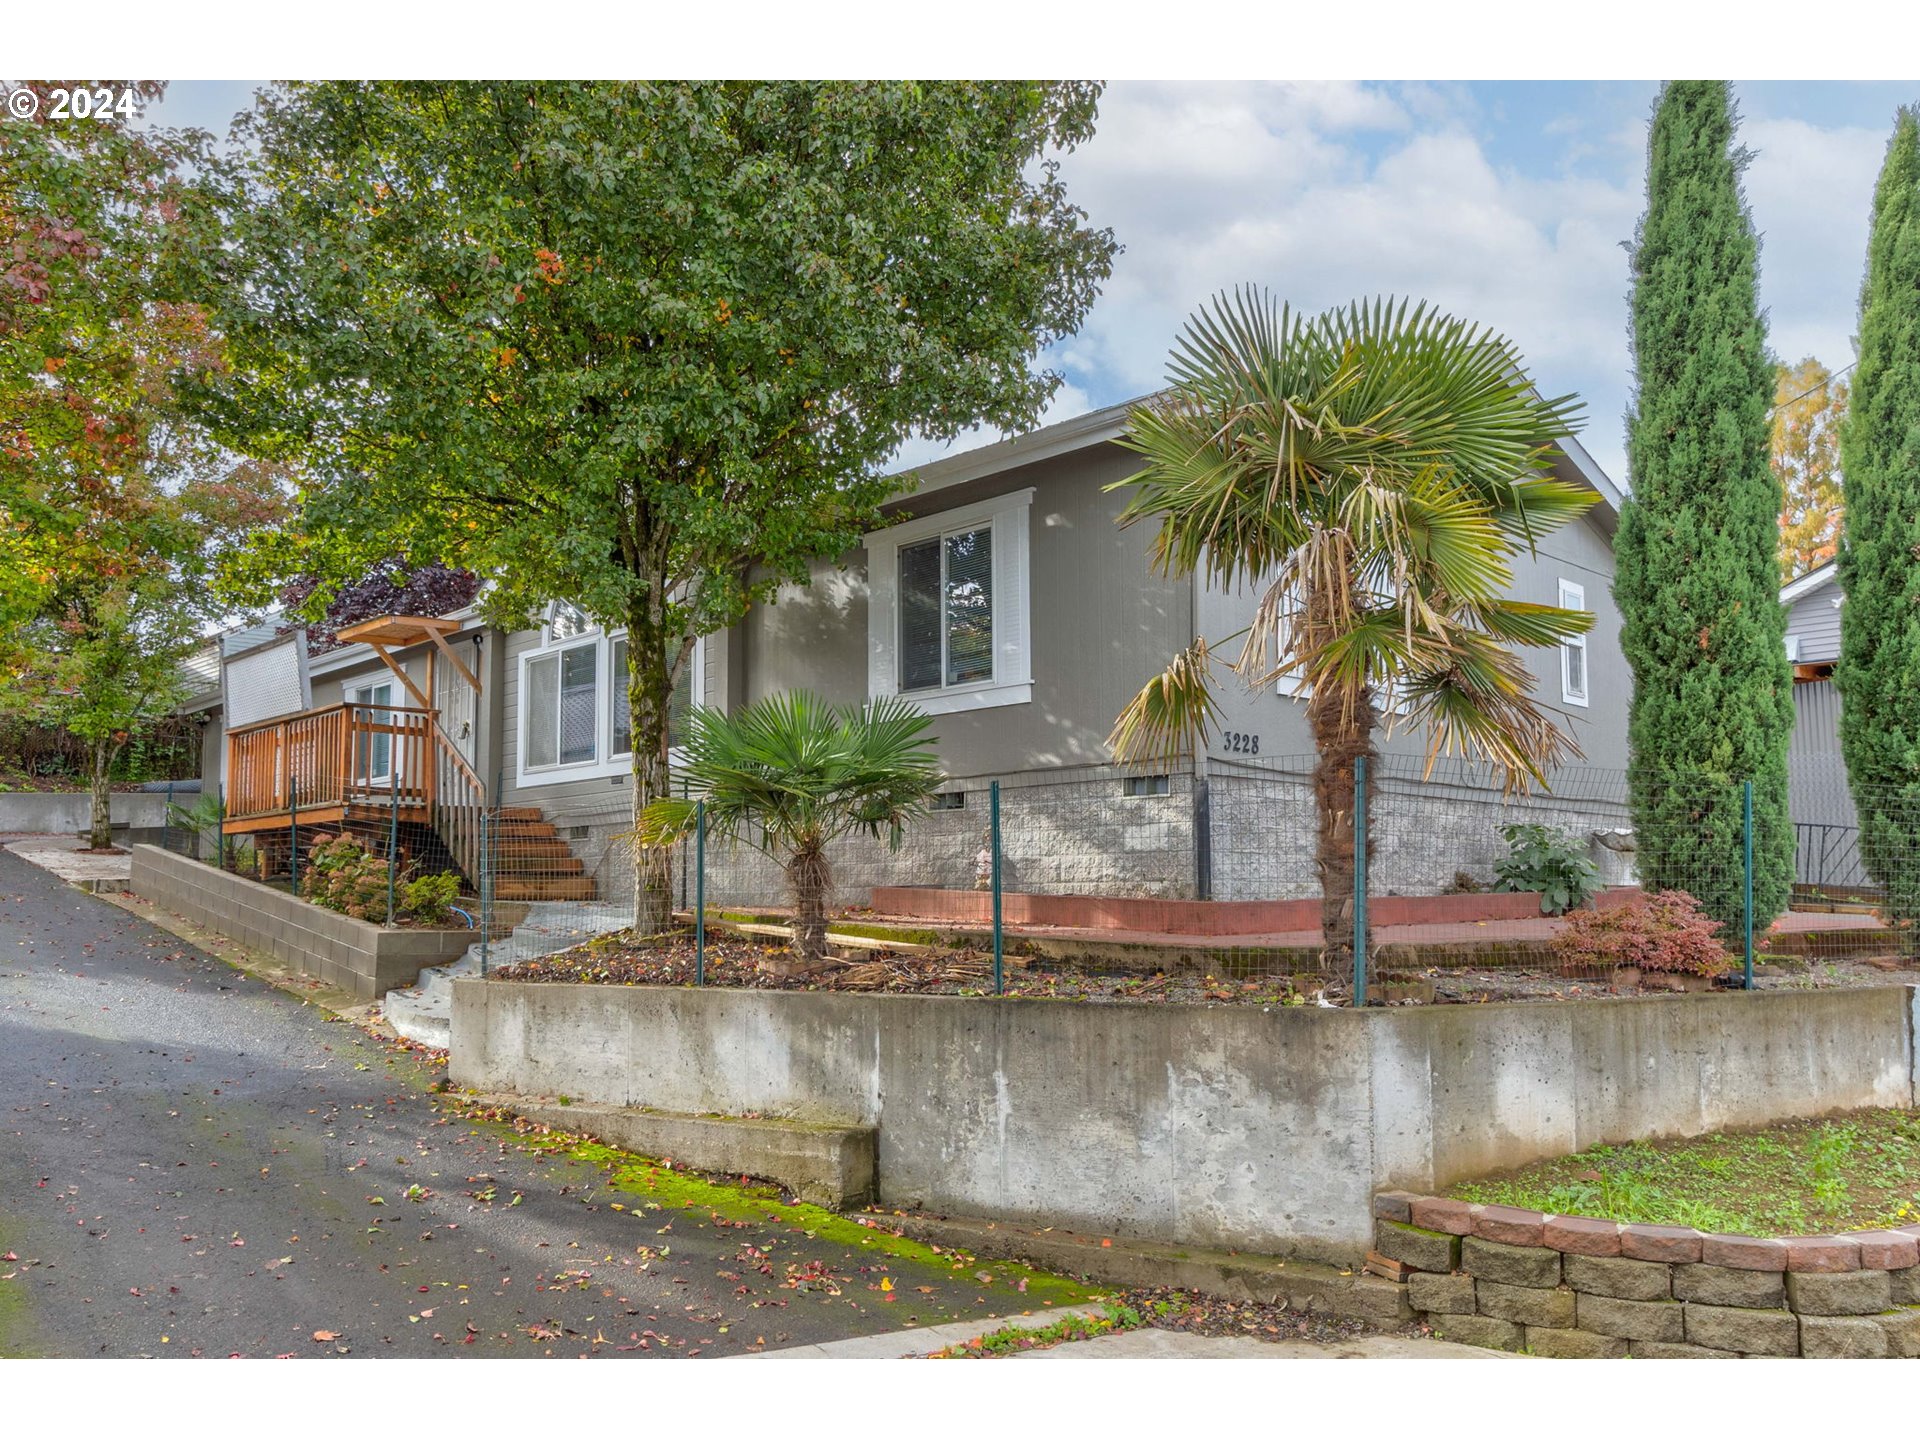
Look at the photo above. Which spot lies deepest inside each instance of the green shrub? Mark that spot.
(1544, 859)
(1665, 932)
(429, 899)
(342, 875)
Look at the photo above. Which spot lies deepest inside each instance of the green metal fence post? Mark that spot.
(1360, 881)
(166, 826)
(220, 836)
(999, 941)
(1746, 826)
(700, 892)
(480, 885)
(293, 836)
(393, 846)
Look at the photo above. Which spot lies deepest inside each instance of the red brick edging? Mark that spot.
(1894, 1249)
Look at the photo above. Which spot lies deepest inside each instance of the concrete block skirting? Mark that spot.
(364, 959)
(830, 1165)
(1228, 1127)
(1831, 1296)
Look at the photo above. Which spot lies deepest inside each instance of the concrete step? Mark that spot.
(830, 1165)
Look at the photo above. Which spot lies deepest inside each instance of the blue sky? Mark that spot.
(1508, 202)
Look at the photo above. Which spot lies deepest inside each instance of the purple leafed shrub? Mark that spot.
(1665, 933)
(386, 589)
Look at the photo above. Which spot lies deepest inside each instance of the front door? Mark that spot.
(373, 753)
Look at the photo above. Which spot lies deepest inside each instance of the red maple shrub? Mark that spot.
(1665, 932)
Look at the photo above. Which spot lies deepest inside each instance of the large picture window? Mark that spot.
(947, 611)
(575, 722)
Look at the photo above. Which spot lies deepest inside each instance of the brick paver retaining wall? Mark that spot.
(1567, 1286)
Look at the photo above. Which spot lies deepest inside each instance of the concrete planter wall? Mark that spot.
(1224, 1126)
(365, 959)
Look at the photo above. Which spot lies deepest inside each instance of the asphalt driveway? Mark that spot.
(193, 1162)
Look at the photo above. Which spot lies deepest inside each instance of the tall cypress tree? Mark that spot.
(1695, 575)
(1879, 670)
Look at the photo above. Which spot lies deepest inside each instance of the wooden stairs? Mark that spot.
(532, 862)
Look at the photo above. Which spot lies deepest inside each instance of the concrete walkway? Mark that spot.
(1144, 1344)
(62, 854)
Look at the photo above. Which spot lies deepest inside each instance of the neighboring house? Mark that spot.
(1826, 829)
(1004, 601)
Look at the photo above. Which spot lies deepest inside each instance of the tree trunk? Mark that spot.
(650, 694)
(1342, 724)
(100, 829)
(812, 880)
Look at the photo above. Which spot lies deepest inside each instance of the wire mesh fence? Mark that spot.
(1274, 881)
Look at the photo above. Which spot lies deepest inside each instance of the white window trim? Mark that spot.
(606, 762)
(1573, 596)
(361, 695)
(1009, 517)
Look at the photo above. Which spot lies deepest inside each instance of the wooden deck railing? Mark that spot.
(332, 757)
(395, 758)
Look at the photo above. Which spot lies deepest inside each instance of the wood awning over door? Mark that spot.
(400, 631)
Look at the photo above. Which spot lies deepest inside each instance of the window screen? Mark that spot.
(578, 697)
(920, 616)
(543, 709)
(969, 596)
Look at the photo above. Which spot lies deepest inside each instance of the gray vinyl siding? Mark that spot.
(1815, 618)
(1100, 623)
(1582, 554)
(566, 802)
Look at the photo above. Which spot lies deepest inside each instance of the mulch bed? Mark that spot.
(739, 963)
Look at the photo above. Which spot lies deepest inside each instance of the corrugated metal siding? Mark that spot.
(1826, 828)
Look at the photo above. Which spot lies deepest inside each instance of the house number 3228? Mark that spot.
(1239, 742)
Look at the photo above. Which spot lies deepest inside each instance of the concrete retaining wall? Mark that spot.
(70, 813)
(364, 959)
(1222, 1126)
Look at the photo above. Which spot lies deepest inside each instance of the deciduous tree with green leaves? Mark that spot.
(113, 510)
(1879, 669)
(1696, 575)
(640, 347)
(1374, 472)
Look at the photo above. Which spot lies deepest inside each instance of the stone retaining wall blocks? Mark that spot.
(1632, 1319)
(1523, 1304)
(1718, 1285)
(1826, 1337)
(1668, 1350)
(1906, 1285)
(1455, 1217)
(1578, 1235)
(1823, 1254)
(1509, 1264)
(1423, 1249)
(1903, 1332)
(1508, 1225)
(1744, 1252)
(1573, 1344)
(1481, 1330)
(1441, 1294)
(1618, 1278)
(1395, 1205)
(1669, 1244)
(1887, 1249)
(1752, 1332)
(1854, 1292)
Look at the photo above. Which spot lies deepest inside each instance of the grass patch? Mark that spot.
(1857, 1172)
(1012, 1339)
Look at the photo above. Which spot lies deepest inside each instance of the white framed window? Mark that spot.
(1573, 649)
(948, 607)
(575, 722)
(373, 752)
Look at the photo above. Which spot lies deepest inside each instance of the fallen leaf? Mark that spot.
(323, 1336)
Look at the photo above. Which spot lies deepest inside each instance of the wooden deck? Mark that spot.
(329, 764)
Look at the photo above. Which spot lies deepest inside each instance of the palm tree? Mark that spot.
(790, 774)
(1373, 472)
